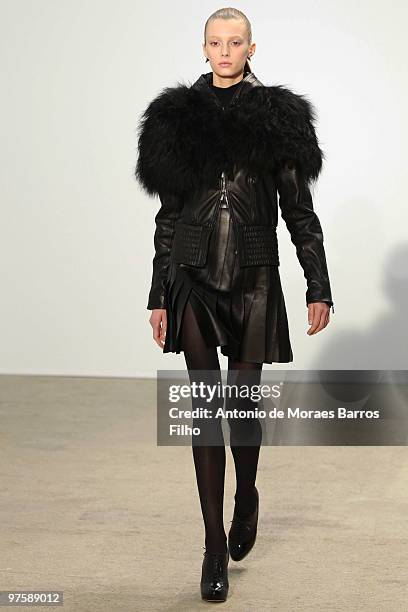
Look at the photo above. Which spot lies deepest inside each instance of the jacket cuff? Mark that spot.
(326, 299)
(156, 301)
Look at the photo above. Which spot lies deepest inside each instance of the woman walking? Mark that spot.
(224, 155)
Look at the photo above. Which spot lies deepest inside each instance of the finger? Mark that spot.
(313, 319)
(163, 327)
(319, 321)
(326, 318)
(163, 332)
(322, 322)
(156, 333)
(316, 317)
(310, 311)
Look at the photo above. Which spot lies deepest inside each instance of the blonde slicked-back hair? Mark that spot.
(231, 13)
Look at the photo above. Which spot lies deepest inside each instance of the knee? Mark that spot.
(210, 432)
(245, 427)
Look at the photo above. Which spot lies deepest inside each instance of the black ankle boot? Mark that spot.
(214, 576)
(242, 535)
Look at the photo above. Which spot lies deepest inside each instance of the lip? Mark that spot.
(224, 64)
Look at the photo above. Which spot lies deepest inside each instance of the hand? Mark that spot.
(318, 317)
(158, 321)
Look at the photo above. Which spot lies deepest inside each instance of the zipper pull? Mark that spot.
(223, 190)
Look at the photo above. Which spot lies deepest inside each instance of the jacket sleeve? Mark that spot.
(165, 219)
(296, 204)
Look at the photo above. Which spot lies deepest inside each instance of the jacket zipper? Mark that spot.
(224, 196)
(252, 197)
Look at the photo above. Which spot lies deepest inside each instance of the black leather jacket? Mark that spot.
(255, 156)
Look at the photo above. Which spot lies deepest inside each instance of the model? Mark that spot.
(224, 155)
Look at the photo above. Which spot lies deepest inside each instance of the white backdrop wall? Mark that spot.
(77, 232)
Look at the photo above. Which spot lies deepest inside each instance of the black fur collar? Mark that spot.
(186, 139)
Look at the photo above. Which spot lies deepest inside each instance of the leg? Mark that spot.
(246, 434)
(209, 459)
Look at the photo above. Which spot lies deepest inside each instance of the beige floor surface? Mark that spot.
(89, 505)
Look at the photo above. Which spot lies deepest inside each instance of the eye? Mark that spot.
(236, 42)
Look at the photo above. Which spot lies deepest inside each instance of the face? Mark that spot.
(226, 41)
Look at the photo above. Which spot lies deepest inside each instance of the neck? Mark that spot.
(221, 81)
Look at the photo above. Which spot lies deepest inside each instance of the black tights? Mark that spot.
(209, 448)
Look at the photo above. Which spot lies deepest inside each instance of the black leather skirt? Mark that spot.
(240, 309)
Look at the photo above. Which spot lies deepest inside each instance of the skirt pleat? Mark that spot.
(241, 310)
